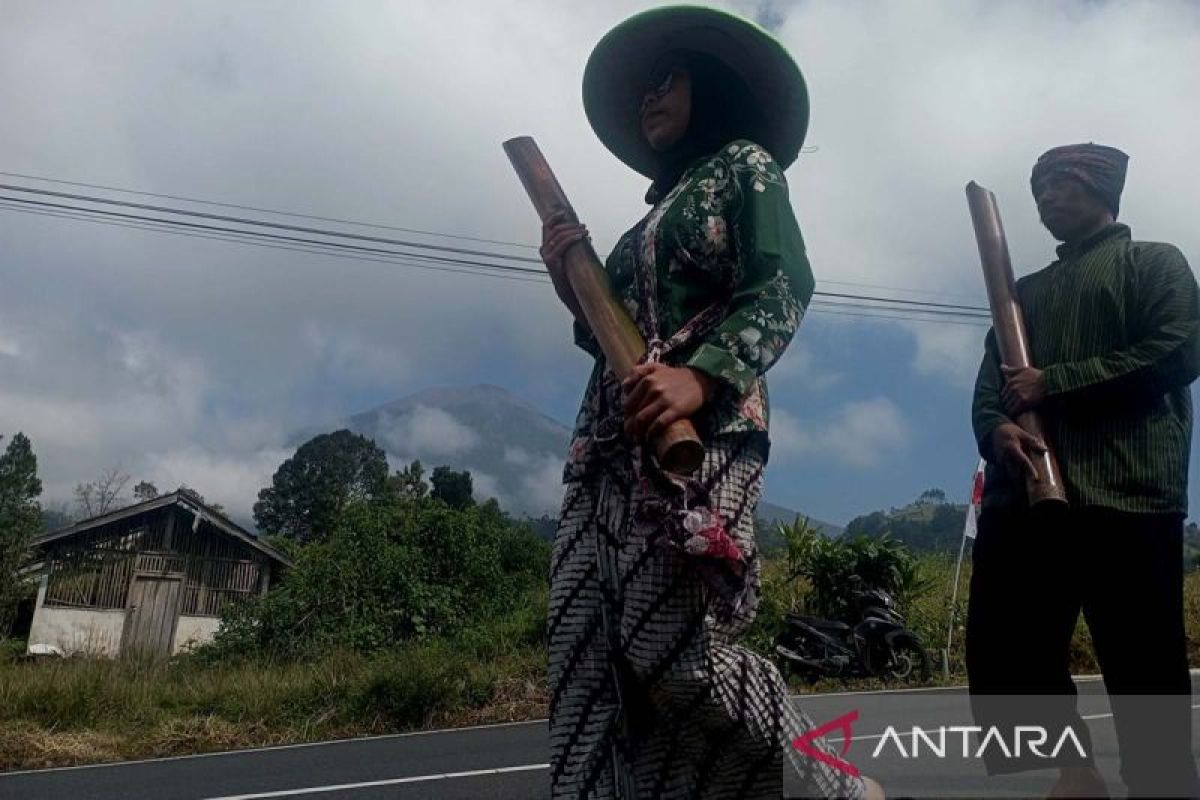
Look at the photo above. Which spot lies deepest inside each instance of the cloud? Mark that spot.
(800, 368)
(9, 347)
(517, 456)
(912, 100)
(350, 356)
(427, 432)
(117, 343)
(542, 485)
(234, 482)
(861, 434)
(486, 487)
(952, 352)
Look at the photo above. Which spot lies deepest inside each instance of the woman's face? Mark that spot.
(667, 109)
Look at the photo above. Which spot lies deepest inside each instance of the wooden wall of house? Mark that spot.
(95, 569)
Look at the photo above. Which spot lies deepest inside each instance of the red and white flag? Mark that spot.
(976, 501)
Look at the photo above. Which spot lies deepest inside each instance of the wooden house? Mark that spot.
(148, 579)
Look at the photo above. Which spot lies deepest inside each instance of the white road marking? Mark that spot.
(391, 782)
(269, 748)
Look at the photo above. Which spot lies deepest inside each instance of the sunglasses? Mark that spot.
(659, 85)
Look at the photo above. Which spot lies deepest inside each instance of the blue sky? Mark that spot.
(189, 361)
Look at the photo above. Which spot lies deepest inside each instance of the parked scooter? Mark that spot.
(877, 645)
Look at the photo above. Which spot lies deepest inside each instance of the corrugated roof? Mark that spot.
(184, 499)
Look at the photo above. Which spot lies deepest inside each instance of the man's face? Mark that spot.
(1068, 210)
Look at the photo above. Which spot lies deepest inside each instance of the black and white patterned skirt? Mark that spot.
(651, 696)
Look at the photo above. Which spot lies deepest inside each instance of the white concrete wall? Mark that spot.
(85, 631)
(193, 631)
(93, 632)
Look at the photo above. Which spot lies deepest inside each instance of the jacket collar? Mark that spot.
(1115, 230)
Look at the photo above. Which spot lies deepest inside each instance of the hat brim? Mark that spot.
(617, 70)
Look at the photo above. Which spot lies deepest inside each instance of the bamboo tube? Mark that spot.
(1009, 325)
(678, 448)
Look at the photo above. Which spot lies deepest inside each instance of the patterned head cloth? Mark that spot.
(1101, 169)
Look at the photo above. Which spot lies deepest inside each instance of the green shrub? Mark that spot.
(390, 572)
(416, 685)
(835, 568)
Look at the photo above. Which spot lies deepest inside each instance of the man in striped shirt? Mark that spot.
(1114, 329)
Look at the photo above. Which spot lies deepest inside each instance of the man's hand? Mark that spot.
(657, 395)
(1024, 389)
(1016, 448)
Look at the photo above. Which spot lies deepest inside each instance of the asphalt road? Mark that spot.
(510, 761)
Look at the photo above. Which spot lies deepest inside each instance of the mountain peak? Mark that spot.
(513, 450)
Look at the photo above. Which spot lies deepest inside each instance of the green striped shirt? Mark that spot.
(1115, 325)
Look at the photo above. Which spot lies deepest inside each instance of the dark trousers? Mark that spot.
(1033, 571)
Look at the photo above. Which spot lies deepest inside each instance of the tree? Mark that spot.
(410, 483)
(20, 521)
(103, 494)
(453, 488)
(199, 498)
(873, 524)
(929, 523)
(932, 497)
(310, 490)
(145, 490)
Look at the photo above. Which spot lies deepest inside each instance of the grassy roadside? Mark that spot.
(77, 711)
(83, 711)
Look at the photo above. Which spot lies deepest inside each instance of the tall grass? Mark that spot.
(82, 710)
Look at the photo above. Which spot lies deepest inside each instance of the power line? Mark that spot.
(906, 302)
(816, 309)
(894, 309)
(886, 288)
(263, 223)
(195, 226)
(266, 210)
(264, 244)
(358, 223)
(443, 263)
(377, 239)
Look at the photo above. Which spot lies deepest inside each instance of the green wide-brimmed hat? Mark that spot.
(617, 70)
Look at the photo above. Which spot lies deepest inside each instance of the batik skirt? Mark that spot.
(651, 695)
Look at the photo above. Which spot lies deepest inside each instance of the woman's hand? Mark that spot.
(558, 234)
(657, 395)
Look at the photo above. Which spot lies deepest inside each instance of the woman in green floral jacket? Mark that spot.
(655, 577)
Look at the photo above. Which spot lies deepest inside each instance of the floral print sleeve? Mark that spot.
(772, 281)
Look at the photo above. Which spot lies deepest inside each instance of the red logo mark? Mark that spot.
(805, 743)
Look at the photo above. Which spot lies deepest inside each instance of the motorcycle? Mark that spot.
(878, 645)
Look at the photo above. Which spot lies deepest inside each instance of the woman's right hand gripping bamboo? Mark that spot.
(558, 234)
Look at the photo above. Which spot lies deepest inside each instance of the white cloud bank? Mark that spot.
(146, 349)
(861, 434)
